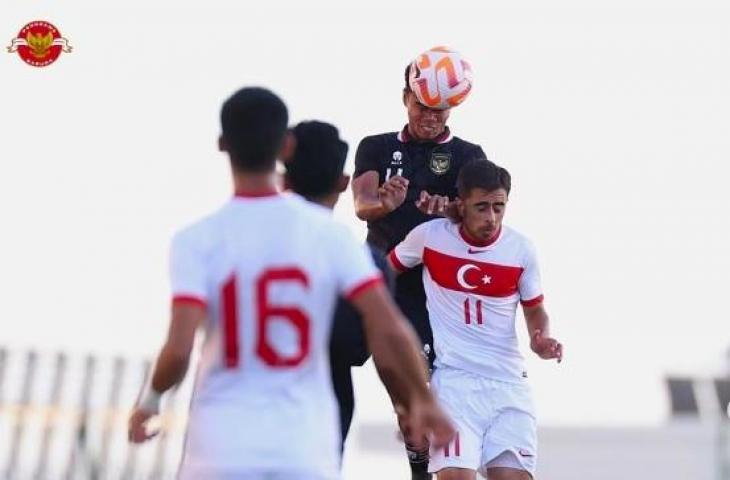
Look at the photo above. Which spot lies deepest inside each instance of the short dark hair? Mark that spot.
(318, 160)
(254, 122)
(481, 173)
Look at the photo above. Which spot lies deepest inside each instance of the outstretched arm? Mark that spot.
(372, 201)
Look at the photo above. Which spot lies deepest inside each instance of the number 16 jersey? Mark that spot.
(268, 271)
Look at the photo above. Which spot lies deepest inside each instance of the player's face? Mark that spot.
(424, 123)
(482, 212)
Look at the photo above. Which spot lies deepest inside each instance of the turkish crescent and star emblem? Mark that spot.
(471, 276)
(39, 44)
(461, 277)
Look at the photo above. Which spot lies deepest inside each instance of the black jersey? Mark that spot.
(430, 166)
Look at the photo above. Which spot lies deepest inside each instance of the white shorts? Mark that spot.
(494, 421)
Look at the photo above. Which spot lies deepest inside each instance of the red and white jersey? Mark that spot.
(268, 270)
(472, 295)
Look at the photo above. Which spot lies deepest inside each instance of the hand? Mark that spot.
(432, 204)
(425, 423)
(138, 426)
(392, 193)
(545, 347)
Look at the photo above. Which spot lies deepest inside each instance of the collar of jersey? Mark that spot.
(477, 243)
(405, 137)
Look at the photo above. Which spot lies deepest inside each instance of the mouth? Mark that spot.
(430, 129)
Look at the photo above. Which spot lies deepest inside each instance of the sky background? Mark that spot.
(613, 118)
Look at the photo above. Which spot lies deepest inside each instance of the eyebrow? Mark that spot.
(500, 203)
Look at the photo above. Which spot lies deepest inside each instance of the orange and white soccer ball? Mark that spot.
(440, 78)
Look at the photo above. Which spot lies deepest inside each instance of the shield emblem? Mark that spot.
(440, 162)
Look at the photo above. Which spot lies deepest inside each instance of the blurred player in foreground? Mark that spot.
(261, 275)
(315, 170)
(475, 273)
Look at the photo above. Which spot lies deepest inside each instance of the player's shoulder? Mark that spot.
(204, 234)
(379, 137)
(377, 141)
(473, 149)
(514, 235)
(517, 239)
(212, 224)
(456, 140)
(197, 234)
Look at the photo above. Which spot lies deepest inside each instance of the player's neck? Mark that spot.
(409, 135)
(327, 201)
(254, 184)
(475, 241)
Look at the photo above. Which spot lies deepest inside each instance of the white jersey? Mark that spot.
(268, 270)
(472, 295)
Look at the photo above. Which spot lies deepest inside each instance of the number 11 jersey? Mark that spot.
(472, 293)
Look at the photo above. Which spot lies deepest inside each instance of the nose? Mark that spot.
(431, 114)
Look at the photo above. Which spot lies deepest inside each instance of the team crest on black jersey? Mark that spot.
(440, 162)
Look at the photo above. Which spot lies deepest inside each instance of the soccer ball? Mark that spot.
(440, 78)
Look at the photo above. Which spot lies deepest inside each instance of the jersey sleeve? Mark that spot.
(367, 157)
(530, 286)
(409, 253)
(352, 263)
(187, 272)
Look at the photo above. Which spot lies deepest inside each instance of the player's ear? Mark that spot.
(342, 183)
(405, 98)
(222, 144)
(460, 207)
(288, 146)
